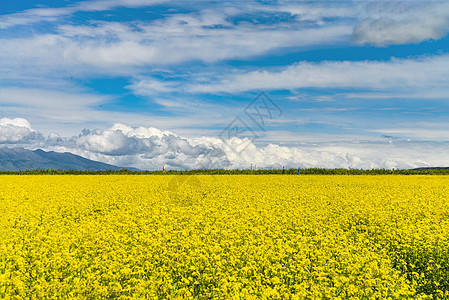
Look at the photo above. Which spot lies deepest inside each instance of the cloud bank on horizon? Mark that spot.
(146, 83)
(150, 148)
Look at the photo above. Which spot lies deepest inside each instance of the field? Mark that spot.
(224, 237)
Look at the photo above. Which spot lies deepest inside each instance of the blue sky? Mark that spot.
(146, 83)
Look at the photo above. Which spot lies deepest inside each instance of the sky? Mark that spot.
(228, 84)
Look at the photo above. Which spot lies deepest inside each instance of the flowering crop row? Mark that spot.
(224, 237)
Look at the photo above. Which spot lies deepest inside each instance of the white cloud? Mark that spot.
(151, 151)
(70, 109)
(130, 47)
(51, 99)
(424, 131)
(151, 86)
(385, 23)
(188, 38)
(150, 148)
(319, 12)
(424, 72)
(17, 122)
(49, 105)
(102, 5)
(143, 147)
(35, 15)
(18, 131)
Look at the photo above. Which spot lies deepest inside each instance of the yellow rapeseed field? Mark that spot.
(224, 237)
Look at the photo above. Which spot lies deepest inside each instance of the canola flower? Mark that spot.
(224, 237)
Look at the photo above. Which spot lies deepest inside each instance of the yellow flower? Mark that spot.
(237, 237)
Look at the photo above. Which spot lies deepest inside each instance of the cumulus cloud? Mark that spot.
(401, 22)
(149, 148)
(18, 131)
(124, 140)
(142, 147)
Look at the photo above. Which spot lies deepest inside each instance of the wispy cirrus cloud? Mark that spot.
(319, 13)
(422, 72)
(209, 35)
(206, 36)
(35, 15)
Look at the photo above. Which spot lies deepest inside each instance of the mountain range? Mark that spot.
(20, 159)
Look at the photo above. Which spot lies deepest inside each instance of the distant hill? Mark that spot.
(430, 168)
(20, 159)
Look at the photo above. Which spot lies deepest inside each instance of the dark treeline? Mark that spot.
(311, 171)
